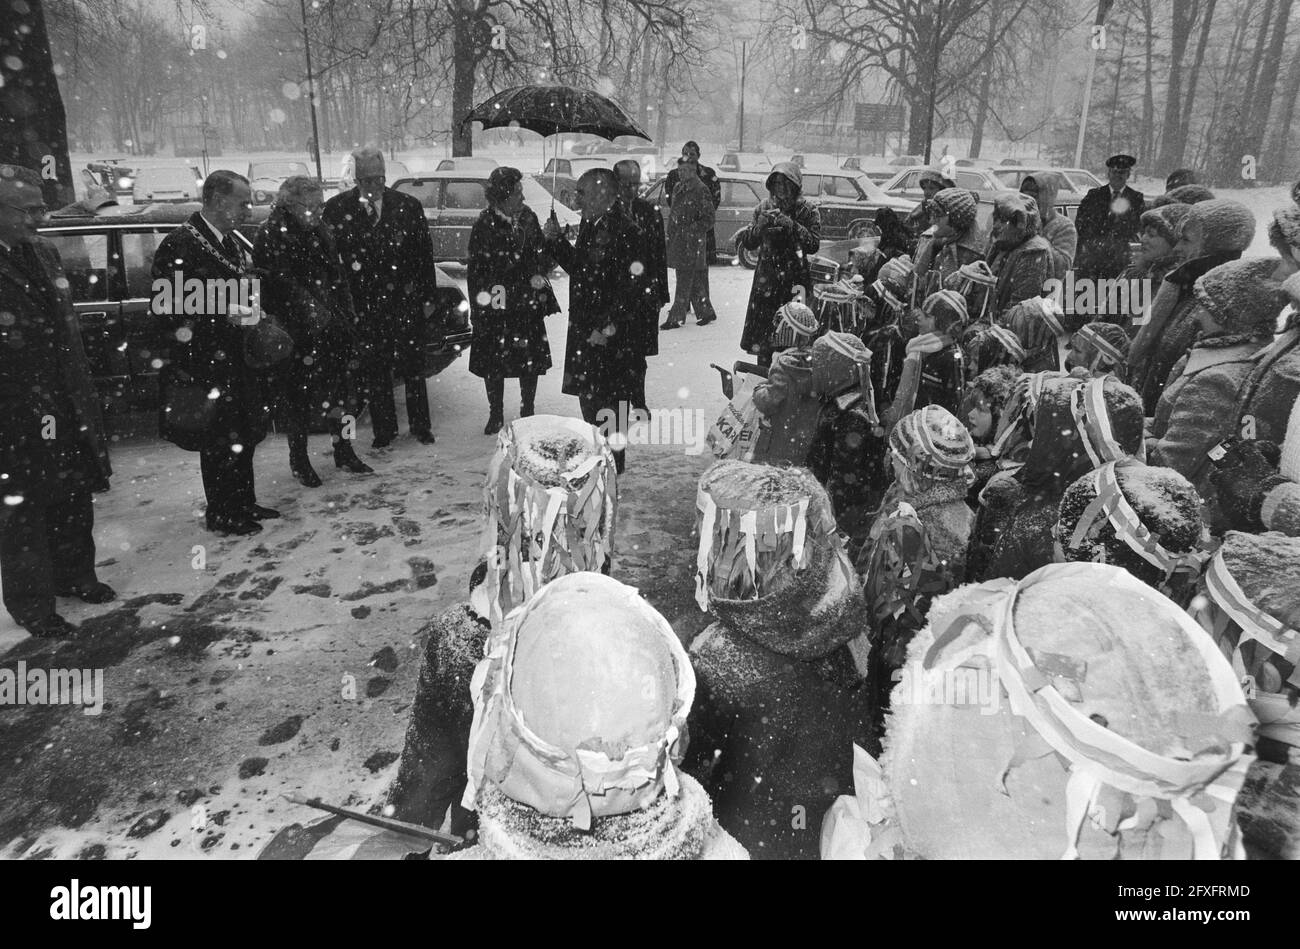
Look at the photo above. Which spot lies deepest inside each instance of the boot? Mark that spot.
(300, 464)
(496, 395)
(527, 395)
(345, 457)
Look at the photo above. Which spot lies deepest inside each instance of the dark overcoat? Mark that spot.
(1103, 235)
(206, 347)
(510, 296)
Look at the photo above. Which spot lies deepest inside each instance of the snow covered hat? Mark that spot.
(1166, 220)
(1284, 229)
(795, 325)
(1251, 606)
(933, 444)
(894, 280)
(580, 703)
(1143, 519)
(1242, 295)
(770, 562)
(995, 346)
(550, 502)
(1228, 226)
(841, 367)
(1108, 341)
(959, 205)
(17, 182)
(1108, 416)
(1076, 713)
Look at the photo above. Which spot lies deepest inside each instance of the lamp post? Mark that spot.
(311, 92)
(934, 78)
(744, 66)
(1103, 8)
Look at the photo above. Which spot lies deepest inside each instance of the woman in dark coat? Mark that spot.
(510, 297)
(786, 229)
(303, 284)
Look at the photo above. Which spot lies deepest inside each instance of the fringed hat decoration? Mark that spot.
(1074, 714)
(1119, 512)
(1093, 418)
(550, 499)
(1250, 604)
(580, 703)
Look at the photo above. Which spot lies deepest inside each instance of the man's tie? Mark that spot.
(231, 247)
(372, 212)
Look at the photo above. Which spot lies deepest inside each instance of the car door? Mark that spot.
(90, 264)
(146, 342)
(429, 193)
(463, 200)
(970, 181)
(735, 210)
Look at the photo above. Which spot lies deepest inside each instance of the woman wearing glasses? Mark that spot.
(303, 283)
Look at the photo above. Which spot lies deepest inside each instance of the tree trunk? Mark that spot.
(661, 125)
(1148, 92)
(1119, 75)
(1247, 102)
(1201, 44)
(1264, 90)
(465, 67)
(1173, 138)
(1278, 162)
(986, 85)
(33, 125)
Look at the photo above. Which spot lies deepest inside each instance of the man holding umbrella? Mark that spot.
(604, 365)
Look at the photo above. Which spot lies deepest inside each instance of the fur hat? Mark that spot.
(1284, 229)
(959, 206)
(933, 444)
(1189, 194)
(1242, 296)
(936, 176)
(1228, 226)
(1166, 220)
(948, 307)
(1144, 519)
(1180, 177)
(18, 182)
(1010, 205)
(994, 386)
(796, 325)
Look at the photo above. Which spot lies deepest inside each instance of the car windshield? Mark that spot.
(1012, 178)
(278, 169)
(166, 179)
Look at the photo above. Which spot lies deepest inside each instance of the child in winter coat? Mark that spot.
(1039, 324)
(934, 370)
(1144, 519)
(1078, 426)
(1212, 233)
(1020, 259)
(986, 401)
(786, 400)
(1097, 349)
(917, 546)
(1237, 308)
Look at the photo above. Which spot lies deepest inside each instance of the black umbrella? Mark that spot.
(550, 110)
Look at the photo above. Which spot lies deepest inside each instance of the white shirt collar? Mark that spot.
(221, 235)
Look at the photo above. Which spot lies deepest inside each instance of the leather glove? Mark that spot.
(1243, 486)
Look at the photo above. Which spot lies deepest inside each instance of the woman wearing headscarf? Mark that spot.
(786, 229)
(1020, 259)
(304, 284)
(1057, 229)
(509, 295)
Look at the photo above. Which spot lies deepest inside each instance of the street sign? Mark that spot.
(879, 117)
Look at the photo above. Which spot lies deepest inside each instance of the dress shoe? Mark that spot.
(240, 525)
(52, 626)
(705, 322)
(259, 513)
(669, 325)
(345, 457)
(382, 441)
(90, 593)
(303, 472)
(424, 438)
(495, 424)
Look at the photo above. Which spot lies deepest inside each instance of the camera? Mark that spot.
(1224, 454)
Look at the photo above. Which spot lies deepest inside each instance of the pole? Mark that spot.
(744, 50)
(311, 92)
(1103, 7)
(934, 79)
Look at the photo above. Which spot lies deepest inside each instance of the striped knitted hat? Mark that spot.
(1109, 340)
(948, 307)
(796, 324)
(933, 444)
(959, 205)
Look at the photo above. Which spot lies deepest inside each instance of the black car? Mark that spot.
(108, 257)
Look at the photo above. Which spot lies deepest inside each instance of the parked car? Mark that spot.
(873, 166)
(167, 184)
(1081, 181)
(111, 175)
(392, 171)
(741, 193)
(265, 178)
(453, 201)
(468, 164)
(989, 182)
(847, 201)
(745, 161)
(560, 176)
(814, 160)
(108, 259)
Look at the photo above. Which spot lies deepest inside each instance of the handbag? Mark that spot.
(185, 404)
(266, 343)
(735, 434)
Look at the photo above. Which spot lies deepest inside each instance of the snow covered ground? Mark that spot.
(228, 662)
(225, 686)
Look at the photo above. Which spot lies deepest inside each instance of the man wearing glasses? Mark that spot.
(387, 254)
(52, 449)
